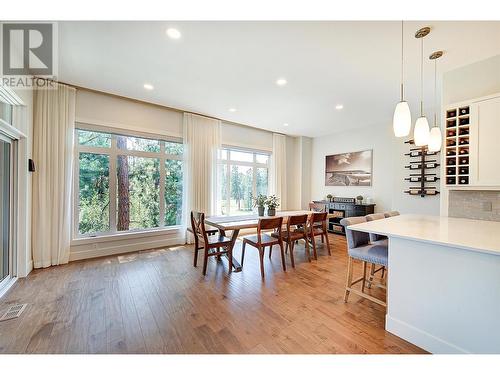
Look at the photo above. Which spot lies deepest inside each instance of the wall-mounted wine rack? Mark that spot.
(423, 170)
(457, 145)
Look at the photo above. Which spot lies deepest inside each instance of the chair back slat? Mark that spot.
(198, 225)
(318, 217)
(274, 223)
(296, 220)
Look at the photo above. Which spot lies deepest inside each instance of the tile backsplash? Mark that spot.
(474, 204)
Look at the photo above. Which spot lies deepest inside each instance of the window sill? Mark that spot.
(126, 236)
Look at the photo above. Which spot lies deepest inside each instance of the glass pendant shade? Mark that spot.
(435, 139)
(421, 132)
(401, 122)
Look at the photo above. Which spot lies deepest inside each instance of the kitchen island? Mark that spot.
(443, 291)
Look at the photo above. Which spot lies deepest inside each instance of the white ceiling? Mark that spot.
(215, 66)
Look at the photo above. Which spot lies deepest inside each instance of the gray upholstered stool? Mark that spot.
(391, 213)
(360, 248)
(373, 239)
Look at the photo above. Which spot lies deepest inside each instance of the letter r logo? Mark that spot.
(27, 49)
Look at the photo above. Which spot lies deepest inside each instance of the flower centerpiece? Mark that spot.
(272, 203)
(260, 202)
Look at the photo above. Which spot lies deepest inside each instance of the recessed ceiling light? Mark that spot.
(232, 109)
(173, 33)
(281, 82)
(148, 86)
(285, 124)
(339, 106)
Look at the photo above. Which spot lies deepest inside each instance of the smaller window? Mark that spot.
(140, 144)
(174, 148)
(222, 154)
(261, 158)
(93, 139)
(241, 156)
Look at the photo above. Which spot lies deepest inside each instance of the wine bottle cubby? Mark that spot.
(457, 145)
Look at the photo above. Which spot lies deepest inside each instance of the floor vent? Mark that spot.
(13, 312)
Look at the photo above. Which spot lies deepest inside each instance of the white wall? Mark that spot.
(388, 183)
(472, 81)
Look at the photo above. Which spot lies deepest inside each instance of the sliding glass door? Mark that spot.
(5, 210)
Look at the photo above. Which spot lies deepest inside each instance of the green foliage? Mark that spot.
(241, 187)
(273, 202)
(173, 192)
(144, 192)
(94, 193)
(260, 200)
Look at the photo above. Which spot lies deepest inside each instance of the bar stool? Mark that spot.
(391, 213)
(358, 247)
(373, 239)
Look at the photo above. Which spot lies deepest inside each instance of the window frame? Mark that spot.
(228, 163)
(113, 152)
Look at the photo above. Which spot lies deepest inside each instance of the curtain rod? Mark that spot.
(158, 105)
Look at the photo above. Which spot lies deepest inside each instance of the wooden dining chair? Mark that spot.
(214, 245)
(210, 232)
(261, 240)
(291, 236)
(317, 227)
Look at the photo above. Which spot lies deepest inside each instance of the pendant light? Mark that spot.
(401, 121)
(421, 131)
(435, 137)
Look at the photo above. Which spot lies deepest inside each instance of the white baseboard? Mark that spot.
(421, 338)
(114, 249)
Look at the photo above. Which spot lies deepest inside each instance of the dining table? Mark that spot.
(235, 223)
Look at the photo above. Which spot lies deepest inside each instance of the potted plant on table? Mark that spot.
(329, 197)
(359, 199)
(260, 202)
(272, 203)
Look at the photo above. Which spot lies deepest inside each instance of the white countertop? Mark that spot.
(476, 235)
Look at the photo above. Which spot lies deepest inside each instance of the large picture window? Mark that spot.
(241, 175)
(126, 183)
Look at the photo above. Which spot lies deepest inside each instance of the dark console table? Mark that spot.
(341, 210)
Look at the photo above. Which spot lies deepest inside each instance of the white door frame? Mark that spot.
(13, 136)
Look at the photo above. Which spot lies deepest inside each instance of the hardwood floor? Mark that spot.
(157, 302)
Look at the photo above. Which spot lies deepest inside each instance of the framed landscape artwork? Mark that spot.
(349, 169)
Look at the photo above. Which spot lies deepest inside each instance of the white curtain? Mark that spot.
(201, 142)
(53, 131)
(278, 170)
